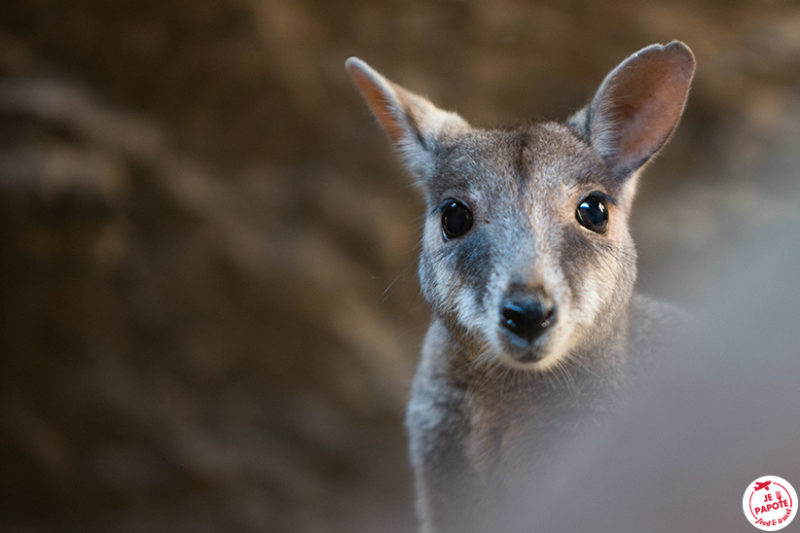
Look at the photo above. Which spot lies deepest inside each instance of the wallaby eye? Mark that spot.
(592, 213)
(456, 219)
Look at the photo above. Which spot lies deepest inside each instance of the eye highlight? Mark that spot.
(592, 213)
(456, 219)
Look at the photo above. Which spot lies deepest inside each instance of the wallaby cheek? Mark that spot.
(435, 283)
(588, 278)
(601, 275)
(577, 257)
(455, 275)
(471, 262)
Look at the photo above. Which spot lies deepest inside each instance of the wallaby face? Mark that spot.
(526, 249)
(545, 253)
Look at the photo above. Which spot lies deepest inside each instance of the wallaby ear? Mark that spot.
(413, 123)
(638, 105)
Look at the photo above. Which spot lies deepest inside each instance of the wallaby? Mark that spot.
(528, 266)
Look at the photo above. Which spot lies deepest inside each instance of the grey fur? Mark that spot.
(478, 419)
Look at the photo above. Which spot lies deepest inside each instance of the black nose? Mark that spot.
(527, 316)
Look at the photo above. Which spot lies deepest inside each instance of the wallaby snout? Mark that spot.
(526, 315)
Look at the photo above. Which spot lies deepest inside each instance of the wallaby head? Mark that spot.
(526, 248)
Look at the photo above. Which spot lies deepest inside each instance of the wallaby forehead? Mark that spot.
(520, 159)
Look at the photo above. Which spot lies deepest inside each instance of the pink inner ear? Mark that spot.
(382, 103)
(643, 102)
(648, 118)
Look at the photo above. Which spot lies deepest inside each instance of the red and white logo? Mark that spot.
(770, 503)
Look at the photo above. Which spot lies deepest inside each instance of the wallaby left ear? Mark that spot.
(415, 126)
(638, 106)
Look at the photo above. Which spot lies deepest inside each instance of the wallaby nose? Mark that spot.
(528, 315)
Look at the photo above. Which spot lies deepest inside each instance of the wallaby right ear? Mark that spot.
(413, 123)
(638, 105)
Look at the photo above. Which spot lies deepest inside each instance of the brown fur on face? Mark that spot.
(523, 186)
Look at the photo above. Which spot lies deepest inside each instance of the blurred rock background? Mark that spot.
(208, 307)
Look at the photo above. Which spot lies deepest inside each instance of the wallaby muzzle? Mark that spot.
(525, 314)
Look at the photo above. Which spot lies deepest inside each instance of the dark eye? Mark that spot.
(592, 213)
(456, 219)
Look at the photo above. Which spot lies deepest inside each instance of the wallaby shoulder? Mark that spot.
(654, 323)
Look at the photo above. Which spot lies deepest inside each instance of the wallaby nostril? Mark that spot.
(548, 311)
(514, 318)
(527, 318)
